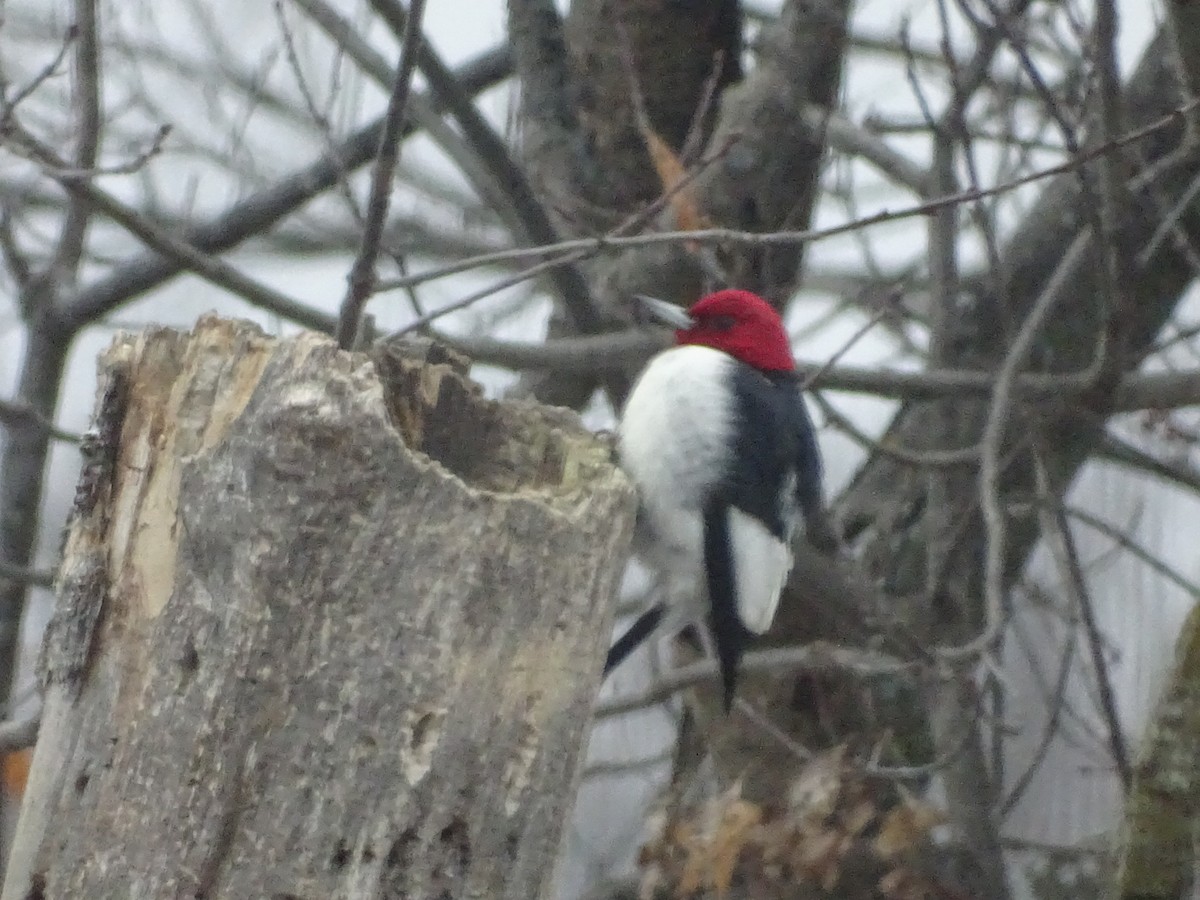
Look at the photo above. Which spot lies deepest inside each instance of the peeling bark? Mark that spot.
(328, 627)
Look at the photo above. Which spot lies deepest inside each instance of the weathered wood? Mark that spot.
(328, 627)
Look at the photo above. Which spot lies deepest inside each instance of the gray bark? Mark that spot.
(328, 626)
(1157, 852)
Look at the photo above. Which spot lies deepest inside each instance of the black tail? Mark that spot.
(632, 639)
(729, 634)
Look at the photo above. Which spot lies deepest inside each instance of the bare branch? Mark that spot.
(816, 657)
(21, 414)
(253, 215)
(20, 734)
(26, 576)
(179, 251)
(362, 274)
(8, 104)
(1066, 554)
(88, 125)
(566, 250)
(632, 223)
(567, 280)
(1122, 539)
(623, 349)
(1176, 472)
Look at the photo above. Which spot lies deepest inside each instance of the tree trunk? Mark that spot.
(328, 626)
(1157, 855)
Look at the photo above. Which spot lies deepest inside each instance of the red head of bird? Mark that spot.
(736, 322)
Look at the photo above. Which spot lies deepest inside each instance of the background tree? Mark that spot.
(1000, 197)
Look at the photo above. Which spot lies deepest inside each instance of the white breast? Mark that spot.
(673, 441)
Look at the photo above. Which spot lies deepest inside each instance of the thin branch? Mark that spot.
(819, 656)
(88, 125)
(422, 111)
(1056, 703)
(634, 222)
(615, 351)
(621, 350)
(25, 575)
(1076, 584)
(1123, 453)
(179, 251)
(20, 734)
(255, 214)
(919, 458)
(992, 444)
(568, 281)
(1119, 535)
(21, 414)
(8, 105)
(362, 274)
(130, 166)
(855, 140)
(571, 251)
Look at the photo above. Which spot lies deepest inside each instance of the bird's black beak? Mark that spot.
(649, 310)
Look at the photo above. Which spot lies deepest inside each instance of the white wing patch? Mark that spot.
(761, 563)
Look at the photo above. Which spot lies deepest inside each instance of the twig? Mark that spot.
(918, 458)
(632, 223)
(1056, 703)
(362, 274)
(494, 154)
(88, 125)
(1076, 584)
(20, 734)
(24, 575)
(570, 251)
(846, 347)
(64, 170)
(8, 105)
(255, 214)
(855, 140)
(319, 118)
(815, 657)
(591, 355)
(1123, 453)
(1126, 542)
(991, 446)
(20, 414)
(183, 253)
(619, 350)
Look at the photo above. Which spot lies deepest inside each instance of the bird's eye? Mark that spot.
(721, 323)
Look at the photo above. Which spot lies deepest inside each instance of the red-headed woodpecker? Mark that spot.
(716, 437)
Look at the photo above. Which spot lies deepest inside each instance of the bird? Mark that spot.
(716, 438)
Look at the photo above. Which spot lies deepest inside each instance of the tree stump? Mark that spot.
(328, 626)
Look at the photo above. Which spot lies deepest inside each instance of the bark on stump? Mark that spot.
(328, 626)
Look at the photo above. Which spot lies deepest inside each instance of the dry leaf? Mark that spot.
(905, 884)
(906, 825)
(671, 174)
(713, 857)
(814, 793)
(859, 817)
(819, 855)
